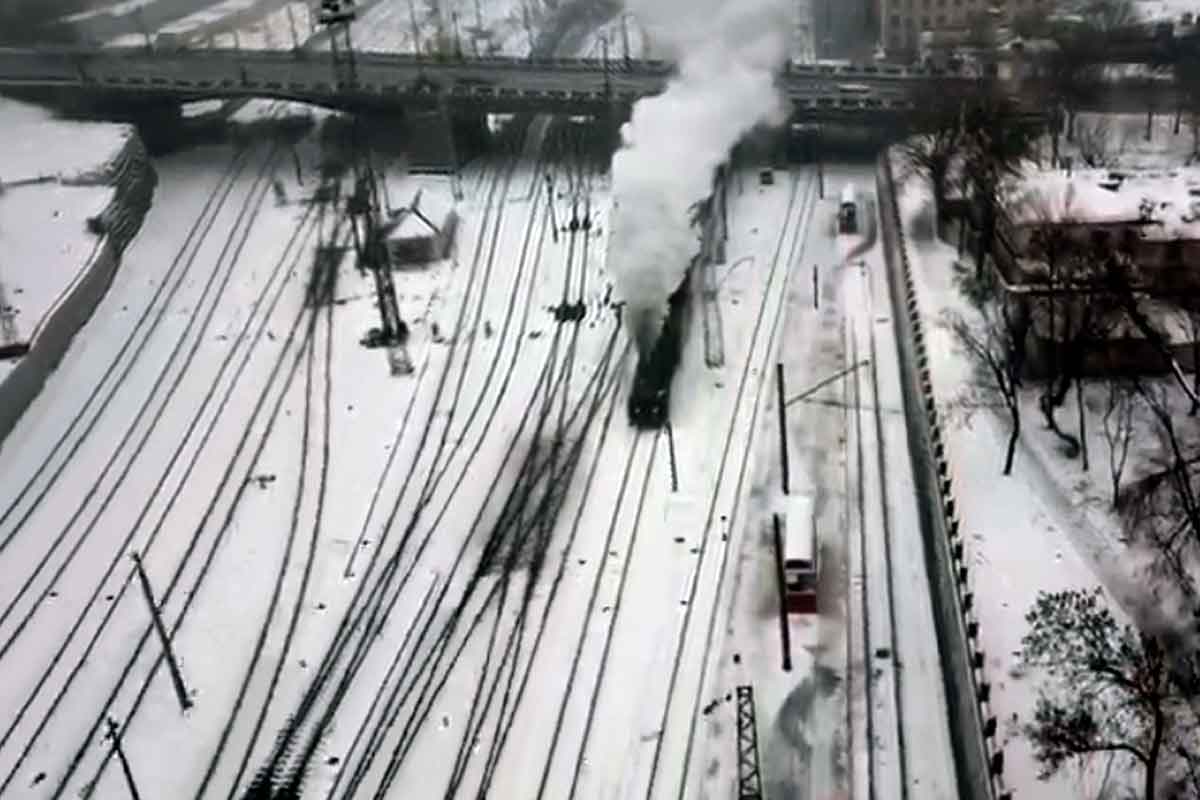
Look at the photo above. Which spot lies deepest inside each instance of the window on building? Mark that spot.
(941, 20)
(895, 21)
(925, 23)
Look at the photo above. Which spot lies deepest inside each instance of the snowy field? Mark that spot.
(1024, 535)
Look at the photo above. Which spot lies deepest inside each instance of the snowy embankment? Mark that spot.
(1019, 537)
(72, 195)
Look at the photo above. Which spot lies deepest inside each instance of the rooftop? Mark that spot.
(1164, 204)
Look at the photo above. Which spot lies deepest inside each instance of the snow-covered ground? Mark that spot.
(255, 456)
(1119, 141)
(48, 190)
(36, 145)
(1023, 536)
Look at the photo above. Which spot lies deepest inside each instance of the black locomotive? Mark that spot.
(650, 396)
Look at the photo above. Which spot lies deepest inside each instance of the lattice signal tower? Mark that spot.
(363, 205)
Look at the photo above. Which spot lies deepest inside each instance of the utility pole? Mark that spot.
(185, 702)
(820, 166)
(550, 205)
(114, 733)
(363, 205)
(458, 51)
(141, 20)
(416, 31)
(783, 434)
(478, 17)
(625, 36)
(292, 26)
(607, 82)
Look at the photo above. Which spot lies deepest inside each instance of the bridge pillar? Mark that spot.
(160, 126)
(444, 140)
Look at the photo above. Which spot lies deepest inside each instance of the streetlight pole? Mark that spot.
(607, 81)
(458, 51)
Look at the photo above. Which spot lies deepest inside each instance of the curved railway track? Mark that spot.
(370, 597)
(219, 278)
(202, 226)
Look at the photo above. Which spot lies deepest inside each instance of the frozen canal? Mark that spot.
(474, 580)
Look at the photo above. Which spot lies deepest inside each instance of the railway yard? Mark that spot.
(478, 577)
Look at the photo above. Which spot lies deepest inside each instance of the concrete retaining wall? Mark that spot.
(133, 179)
(973, 729)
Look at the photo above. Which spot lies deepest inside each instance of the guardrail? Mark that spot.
(978, 753)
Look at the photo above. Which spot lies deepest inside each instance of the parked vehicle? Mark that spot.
(800, 556)
(848, 210)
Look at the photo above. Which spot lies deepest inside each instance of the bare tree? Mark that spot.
(996, 344)
(1118, 432)
(1121, 277)
(1109, 16)
(1165, 504)
(1110, 687)
(997, 139)
(1093, 140)
(935, 142)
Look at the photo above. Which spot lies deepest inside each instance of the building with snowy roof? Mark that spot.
(414, 240)
(1145, 225)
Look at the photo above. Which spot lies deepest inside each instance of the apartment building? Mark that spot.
(901, 22)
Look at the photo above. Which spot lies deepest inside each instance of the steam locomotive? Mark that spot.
(650, 396)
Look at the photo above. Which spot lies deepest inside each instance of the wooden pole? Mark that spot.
(185, 702)
(114, 733)
(785, 633)
(783, 437)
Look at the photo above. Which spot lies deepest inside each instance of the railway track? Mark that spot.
(318, 309)
(874, 649)
(151, 315)
(557, 388)
(114, 598)
(767, 324)
(152, 408)
(365, 614)
(294, 346)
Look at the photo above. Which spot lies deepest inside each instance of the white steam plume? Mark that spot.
(728, 52)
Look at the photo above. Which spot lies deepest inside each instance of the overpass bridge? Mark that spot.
(391, 81)
(868, 93)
